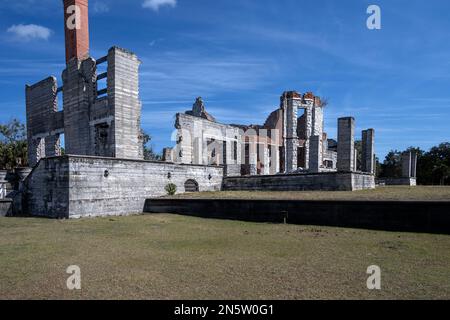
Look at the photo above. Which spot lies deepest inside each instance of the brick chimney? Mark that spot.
(76, 26)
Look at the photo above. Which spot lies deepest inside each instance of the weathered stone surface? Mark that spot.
(400, 182)
(315, 154)
(346, 145)
(43, 120)
(332, 181)
(123, 97)
(368, 151)
(409, 164)
(5, 207)
(77, 186)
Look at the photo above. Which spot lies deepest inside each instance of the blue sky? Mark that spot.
(241, 55)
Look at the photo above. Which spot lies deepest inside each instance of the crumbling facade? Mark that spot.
(103, 172)
(95, 121)
(286, 144)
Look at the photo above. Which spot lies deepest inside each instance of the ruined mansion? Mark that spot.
(103, 171)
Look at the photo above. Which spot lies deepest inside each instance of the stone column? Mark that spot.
(53, 145)
(2, 189)
(123, 98)
(368, 151)
(275, 159)
(79, 80)
(291, 138)
(167, 155)
(414, 164)
(253, 157)
(315, 154)
(346, 144)
(309, 133)
(409, 164)
(266, 160)
(41, 107)
(406, 164)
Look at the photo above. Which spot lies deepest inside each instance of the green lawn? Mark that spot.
(381, 193)
(176, 257)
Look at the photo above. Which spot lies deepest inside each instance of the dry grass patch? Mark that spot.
(176, 257)
(381, 193)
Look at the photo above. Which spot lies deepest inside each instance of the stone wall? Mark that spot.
(193, 136)
(81, 186)
(44, 122)
(5, 207)
(123, 97)
(47, 188)
(399, 182)
(327, 181)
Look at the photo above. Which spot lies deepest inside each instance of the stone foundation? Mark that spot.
(5, 207)
(329, 181)
(81, 186)
(400, 182)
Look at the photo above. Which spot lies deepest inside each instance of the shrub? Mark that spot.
(171, 189)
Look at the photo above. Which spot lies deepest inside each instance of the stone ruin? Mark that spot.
(285, 144)
(103, 172)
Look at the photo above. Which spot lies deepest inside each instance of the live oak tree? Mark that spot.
(149, 153)
(13, 145)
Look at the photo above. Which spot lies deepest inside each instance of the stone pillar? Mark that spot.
(290, 106)
(167, 155)
(275, 159)
(368, 151)
(315, 154)
(406, 164)
(266, 160)
(123, 98)
(2, 189)
(204, 148)
(346, 144)
(309, 133)
(41, 108)
(409, 164)
(253, 157)
(414, 164)
(225, 153)
(198, 150)
(79, 79)
(53, 145)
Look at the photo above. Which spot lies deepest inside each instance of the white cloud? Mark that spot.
(29, 32)
(100, 7)
(156, 4)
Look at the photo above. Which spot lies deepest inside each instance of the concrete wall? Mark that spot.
(409, 216)
(400, 182)
(81, 186)
(5, 207)
(44, 122)
(331, 181)
(47, 189)
(193, 134)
